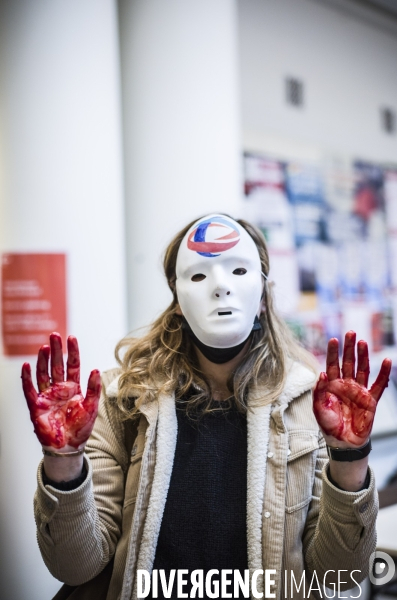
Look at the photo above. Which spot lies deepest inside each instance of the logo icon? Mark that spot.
(381, 560)
(213, 236)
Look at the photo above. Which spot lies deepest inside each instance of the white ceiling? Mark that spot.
(388, 5)
(378, 13)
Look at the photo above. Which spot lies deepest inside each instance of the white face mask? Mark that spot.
(219, 281)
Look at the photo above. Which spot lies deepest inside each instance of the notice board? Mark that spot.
(33, 293)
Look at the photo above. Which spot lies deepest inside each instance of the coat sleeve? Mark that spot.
(340, 527)
(78, 530)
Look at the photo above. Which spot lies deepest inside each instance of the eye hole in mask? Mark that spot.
(198, 277)
(240, 271)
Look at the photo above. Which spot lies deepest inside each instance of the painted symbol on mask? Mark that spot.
(203, 241)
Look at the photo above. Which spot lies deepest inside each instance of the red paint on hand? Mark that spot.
(343, 406)
(61, 416)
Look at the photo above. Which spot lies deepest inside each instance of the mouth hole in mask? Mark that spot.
(228, 312)
(198, 277)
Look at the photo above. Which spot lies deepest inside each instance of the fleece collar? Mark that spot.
(299, 379)
(113, 388)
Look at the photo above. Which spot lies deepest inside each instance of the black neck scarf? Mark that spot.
(218, 355)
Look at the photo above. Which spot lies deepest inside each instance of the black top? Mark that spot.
(204, 522)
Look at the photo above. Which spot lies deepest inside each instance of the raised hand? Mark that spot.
(343, 406)
(62, 417)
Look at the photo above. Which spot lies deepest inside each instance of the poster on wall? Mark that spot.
(306, 197)
(33, 292)
(337, 222)
(268, 207)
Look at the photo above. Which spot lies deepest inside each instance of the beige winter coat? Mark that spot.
(296, 519)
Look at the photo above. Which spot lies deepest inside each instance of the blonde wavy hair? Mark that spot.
(164, 360)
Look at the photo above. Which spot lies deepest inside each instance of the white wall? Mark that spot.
(61, 190)
(181, 126)
(349, 69)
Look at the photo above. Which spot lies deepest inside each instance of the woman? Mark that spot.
(207, 452)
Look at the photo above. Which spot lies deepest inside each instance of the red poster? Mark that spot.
(33, 301)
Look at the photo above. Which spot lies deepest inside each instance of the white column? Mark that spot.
(181, 130)
(61, 190)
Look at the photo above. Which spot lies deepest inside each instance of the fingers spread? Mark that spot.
(333, 371)
(362, 363)
(73, 364)
(28, 388)
(329, 414)
(93, 392)
(57, 370)
(378, 387)
(321, 384)
(43, 378)
(349, 355)
(319, 392)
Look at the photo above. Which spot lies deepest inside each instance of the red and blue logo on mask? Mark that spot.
(201, 241)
